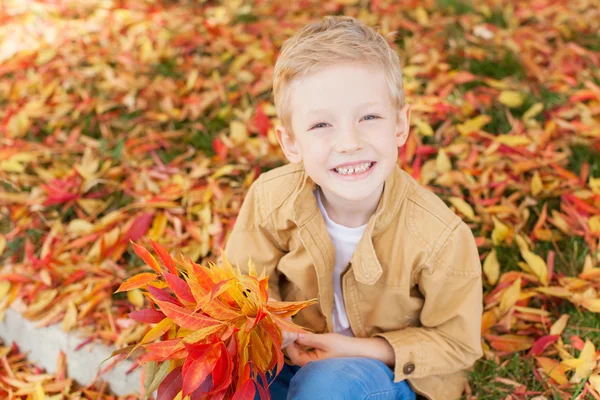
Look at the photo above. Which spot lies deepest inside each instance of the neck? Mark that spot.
(351, 214)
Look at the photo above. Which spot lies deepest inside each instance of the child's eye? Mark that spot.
(370, 117)
(319, 125)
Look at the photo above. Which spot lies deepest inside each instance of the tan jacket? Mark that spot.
(414, 279)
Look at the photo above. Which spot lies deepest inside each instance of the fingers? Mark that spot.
(288, 338)
(298, 356)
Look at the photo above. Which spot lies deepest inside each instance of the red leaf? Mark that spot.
(245, 392)
(199, 363)
(160, 294)
(222, 373)
(165, 257)
(262, 122)
(136, 281)
(146, 256)
(576, 342)
(186, 318)
(139, 227)
(263, 388)
(220, 148)
(148, 316)
(74, 277)
(171, 385)
(180, 287)
(542, 343)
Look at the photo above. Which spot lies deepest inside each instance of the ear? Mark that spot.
(288, 144)
(403, 125)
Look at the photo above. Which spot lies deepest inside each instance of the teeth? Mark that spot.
(350, 170)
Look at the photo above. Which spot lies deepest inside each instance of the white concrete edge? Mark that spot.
(42, 346)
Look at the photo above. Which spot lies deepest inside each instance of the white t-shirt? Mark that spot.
(345, 241)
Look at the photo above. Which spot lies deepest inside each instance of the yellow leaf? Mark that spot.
(159, 224)
(582, 364)
(533, 111)
(512, 140)
(80, 227)
(591, 304)
(4, 289)
(39, 393)
(238, 132)
(594, 380)
(511, 99)
(510, 296)
(2, 243)
(423, 127)
(559, 326)
(473, 124)
(421, 16)
(442, 162)
(45, 55)
(594, 184)
(11, 166)
(136, 297)
(536, 184)
(594, 224)
(18, 124)
(556, 291)
(537, 265)
(463, 207)
(491, 267)
(70, 318)
(500, 232)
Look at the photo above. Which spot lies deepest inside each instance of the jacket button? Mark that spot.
(408, 368)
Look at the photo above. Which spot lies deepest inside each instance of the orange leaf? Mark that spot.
(146, 256)
(553, 369)
(184, 317)
(136, 281)
(165, 257)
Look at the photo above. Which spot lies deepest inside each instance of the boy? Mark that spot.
(396, 273)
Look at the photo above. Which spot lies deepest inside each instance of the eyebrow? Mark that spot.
(368, 103)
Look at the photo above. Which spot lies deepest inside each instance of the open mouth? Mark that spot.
(355, 169)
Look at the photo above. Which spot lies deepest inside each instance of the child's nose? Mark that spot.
(349, 140)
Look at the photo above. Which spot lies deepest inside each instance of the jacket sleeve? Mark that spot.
(449, 338)
(252, 237)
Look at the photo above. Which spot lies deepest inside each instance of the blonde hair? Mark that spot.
(333, 40)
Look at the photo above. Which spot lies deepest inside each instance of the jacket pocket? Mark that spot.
(385, 309)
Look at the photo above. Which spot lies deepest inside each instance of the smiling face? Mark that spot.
(346, 130)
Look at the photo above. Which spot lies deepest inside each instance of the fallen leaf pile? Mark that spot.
(121, 119)
(21, 379)
(221, 333)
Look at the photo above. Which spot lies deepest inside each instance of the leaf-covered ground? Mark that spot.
(123, 119)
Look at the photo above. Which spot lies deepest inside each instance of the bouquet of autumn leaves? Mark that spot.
(219, 330)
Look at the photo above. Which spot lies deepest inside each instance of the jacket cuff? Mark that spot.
(410, 354)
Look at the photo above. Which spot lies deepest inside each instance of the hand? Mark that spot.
(288, 337)
(324, 345)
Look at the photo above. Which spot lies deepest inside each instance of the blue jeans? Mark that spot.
(339, 378)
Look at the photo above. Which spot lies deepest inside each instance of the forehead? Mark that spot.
(337, 87)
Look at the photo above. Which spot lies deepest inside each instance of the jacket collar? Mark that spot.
(394, 191)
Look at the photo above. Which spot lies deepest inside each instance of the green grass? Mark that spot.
(499, 123)
(581, 154)
(456, 7)
(569, 256)
(202, 140)
(582, 323)
(168, 68)
(517, 368)
(497, 18)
